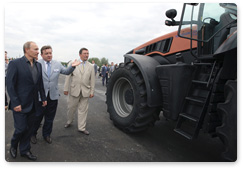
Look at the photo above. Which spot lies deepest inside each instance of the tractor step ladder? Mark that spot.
(196, 102)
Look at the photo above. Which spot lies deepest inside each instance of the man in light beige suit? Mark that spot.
(79, 86)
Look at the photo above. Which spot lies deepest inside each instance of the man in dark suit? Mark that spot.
(24, 81)
(104, 74)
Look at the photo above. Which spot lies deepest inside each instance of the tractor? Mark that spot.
(189, 76)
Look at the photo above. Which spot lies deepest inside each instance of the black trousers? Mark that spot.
(48, 113)
(105, 78)
(23, 124)
(6, 98)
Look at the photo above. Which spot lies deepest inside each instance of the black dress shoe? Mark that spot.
(30, 156)
(67, 125)
(84, 132)
(13, 152)
(33, 139)
(48, 139)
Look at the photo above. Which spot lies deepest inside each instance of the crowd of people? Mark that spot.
(32, 87)
(105, 72)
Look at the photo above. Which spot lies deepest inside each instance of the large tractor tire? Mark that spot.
(127, 100)
(228, 130)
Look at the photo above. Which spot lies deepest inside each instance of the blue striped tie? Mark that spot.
(48, 69)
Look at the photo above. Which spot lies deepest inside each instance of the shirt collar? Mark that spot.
(82, 61)
(34, 61)
(47, 62)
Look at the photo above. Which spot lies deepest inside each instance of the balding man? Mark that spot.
(24, 81)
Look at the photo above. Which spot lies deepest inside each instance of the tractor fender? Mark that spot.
(229, 44)
(147, 67)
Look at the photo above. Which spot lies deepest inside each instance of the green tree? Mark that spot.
(104, 61)
(97, 60)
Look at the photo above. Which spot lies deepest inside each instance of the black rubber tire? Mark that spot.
(130, 114)
(227, 132)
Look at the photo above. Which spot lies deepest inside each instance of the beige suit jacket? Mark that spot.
(79, 81)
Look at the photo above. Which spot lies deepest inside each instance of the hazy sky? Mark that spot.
(106, 29)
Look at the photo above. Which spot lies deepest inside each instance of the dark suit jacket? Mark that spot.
(20, 85)
(104, 72)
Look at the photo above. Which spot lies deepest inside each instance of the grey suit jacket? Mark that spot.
(51, 85)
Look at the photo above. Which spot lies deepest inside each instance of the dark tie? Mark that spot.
(48, 69)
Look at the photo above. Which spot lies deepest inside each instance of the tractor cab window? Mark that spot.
(212, 12)
(202, 22)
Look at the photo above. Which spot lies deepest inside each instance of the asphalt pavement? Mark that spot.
(106, 143)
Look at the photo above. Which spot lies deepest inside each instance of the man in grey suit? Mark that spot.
(50, 73)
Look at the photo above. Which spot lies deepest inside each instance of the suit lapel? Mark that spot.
(43, 64)
(52, 67)
(38, 70)
(79, 68)
(26, 66)
(86, 66)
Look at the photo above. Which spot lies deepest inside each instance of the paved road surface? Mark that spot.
(106, 143)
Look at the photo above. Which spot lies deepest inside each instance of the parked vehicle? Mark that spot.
(189, 75)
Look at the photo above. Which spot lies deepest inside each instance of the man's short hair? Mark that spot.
(27, 45)
(81, 50)
(45, 47)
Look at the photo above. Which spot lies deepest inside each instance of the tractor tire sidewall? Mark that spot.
(123, 122)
